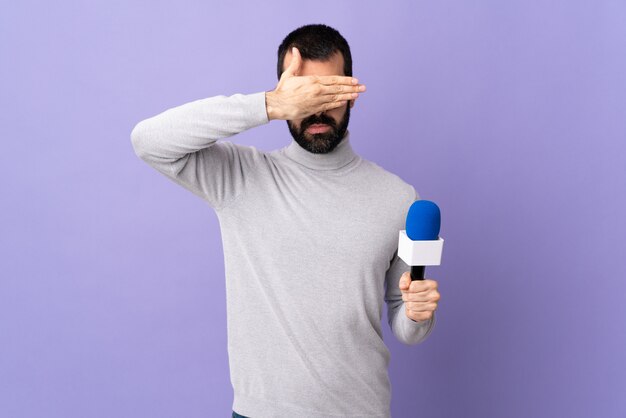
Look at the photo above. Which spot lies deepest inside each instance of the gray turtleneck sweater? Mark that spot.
(310, 245)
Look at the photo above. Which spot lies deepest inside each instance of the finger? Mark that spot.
(431, 282)
(342, 88)
(294, 64)
(405, 281)
(422, 285)
(418, 297)
(331, 105)
(331, 98)
(418, 286)
(418, 316)
(329, 80)
(421, 306)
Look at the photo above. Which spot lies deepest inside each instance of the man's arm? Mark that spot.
(181, 143)
(404, 328)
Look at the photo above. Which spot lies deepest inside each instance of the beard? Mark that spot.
(323, 142)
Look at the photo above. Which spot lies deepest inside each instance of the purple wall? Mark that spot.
(510, 115)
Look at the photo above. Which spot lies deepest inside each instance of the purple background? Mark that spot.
(510, 115)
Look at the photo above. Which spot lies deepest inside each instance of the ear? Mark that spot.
(352, 103)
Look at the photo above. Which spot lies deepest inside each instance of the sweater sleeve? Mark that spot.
(405, 329)
(182, 143)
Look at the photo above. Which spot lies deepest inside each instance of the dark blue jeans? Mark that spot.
(236, 415)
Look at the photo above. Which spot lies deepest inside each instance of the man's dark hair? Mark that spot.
(316, 42)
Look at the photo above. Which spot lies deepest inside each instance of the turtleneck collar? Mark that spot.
(342, 155)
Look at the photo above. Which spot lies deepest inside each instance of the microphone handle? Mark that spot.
(417, 272)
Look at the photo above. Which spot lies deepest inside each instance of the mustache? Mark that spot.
(312, 120)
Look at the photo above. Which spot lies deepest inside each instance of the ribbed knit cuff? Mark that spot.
(258, 108)
(416, 331)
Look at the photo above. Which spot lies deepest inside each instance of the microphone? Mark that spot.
(419, 245)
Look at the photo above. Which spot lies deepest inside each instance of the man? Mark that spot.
(309, 234)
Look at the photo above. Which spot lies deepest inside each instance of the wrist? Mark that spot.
(271, 105)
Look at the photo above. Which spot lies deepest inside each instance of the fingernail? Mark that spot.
(355, 81)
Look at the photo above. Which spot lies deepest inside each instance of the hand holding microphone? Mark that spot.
(419, 245)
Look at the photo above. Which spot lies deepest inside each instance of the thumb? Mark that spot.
(405, 281)
(294, 65)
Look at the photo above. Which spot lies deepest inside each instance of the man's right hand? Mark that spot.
(296, 97)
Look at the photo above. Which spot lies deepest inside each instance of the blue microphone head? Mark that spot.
(423, 221)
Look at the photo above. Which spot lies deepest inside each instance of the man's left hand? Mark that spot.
(420, 297)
